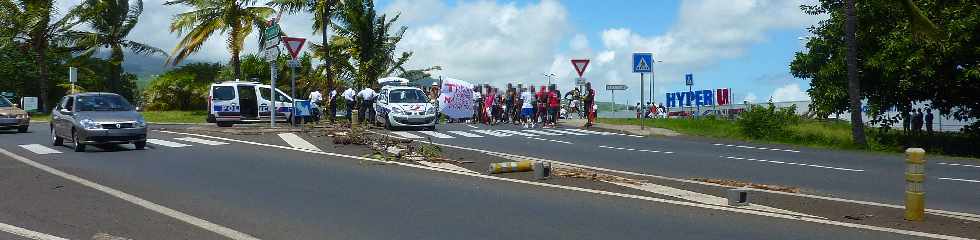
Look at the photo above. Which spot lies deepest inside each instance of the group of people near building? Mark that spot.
(529, 106)
(651, 110)
(913, 121)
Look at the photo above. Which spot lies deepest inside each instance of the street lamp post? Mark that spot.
(653, 77)
(549, 75)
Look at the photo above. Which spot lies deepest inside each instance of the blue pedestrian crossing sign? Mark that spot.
(642, 62)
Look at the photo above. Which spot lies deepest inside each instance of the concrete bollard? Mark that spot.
(542, 170)
(738, 197)
(353, 117)
(507, 167)
(915, 174)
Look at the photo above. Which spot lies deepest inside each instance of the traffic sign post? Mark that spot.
(294, 46)
(642, 63)
(72, 77)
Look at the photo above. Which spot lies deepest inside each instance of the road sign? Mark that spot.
(642, 62)
(617, 87)
(293, 63)
(72, 74)
(272, 53)
(580, 65)
(29, 104)
(689, 79)
(270, 36)
(294, 45)
(580, 81)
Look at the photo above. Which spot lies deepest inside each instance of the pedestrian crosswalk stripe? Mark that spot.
(590, 132)
(543, 133)
(166, 143)
(201, 141)
(39, 149)
(492, 133)
(566, 132)
(436, 134)
(465, 134)
(518, 133)
(406, 134)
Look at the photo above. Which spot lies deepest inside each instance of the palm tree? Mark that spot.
(367, 38)
(111, 22)
(322, 12)
(29, 21)
(234, 17)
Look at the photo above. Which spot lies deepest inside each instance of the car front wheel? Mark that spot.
(79, 147)
(22, 129)
(55, 139)
(140, 145)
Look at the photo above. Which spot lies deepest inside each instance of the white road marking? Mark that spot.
(960, 179)
(543, 133)
(607, 193)
(436, 134)
(704, 198)
(565, 132)
(204, 224)
(638, 150)
(39, 149)
(793, 163)
(518, 133)
(465, 134)
(757, 148)
(958, 165)
(27, 233)
(550, 140)
(406, 134)
(945, 213)
(601, 133)
(448, 166)
(201, 141)
(166, 143)
(471, 126)
(492, 133)
(297, 142)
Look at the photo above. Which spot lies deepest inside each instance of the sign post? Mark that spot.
(270, 43)
(293, 45)
(689, 81)
(72, 77)
(642, 63)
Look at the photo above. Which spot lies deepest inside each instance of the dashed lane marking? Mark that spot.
(39, 149)
(543, 133)
(637, 150)
(757, 148)
(793, 163)
(465, 134)
(297, 142)
(493, 133)
(204, 224)
(958, 165)
(27, 233)
(960, 180)
(166, 143)
(201, 141)
(406, 134)
(601, 133)
(550, 140)
(436, 134)
(518, 133)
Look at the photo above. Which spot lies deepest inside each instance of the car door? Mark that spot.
(381, 105)
(65, 117)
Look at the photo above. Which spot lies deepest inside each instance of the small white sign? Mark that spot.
(29, 103)
(293, 63)
(72, 74)
(580, 81)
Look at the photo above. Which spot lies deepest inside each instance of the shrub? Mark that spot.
(766, 122)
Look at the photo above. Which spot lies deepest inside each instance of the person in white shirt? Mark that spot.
(349, 98)
(332, 105)
(367, 104)
(477, 102)
(527, 107)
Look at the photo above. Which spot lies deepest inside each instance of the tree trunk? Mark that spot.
(853, 82)
(325, 18)
(236, 63)
(115, 72)
(41, 58)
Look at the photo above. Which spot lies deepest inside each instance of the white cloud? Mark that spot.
(606, 56)
(751, 98)
(579, 43)
(789, 93)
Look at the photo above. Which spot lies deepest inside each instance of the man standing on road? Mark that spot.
(332, 105)
(477, 103)
(349, 98)
(589, 104)
(929, 118)
(527, 107)
(367, 105)
(316, 99)
(554, 103)
(917, 122)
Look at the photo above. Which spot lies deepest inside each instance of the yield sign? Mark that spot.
(580, 65)
(294, 45)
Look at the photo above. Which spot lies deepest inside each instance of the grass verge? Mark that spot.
(154, 116)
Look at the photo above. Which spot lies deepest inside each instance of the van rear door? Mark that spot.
(224, 103)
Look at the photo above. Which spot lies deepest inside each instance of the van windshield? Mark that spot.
(407, 96)
(222, 93)
(102, 103)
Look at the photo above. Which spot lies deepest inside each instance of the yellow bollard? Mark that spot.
(506, 167)
(915, 174)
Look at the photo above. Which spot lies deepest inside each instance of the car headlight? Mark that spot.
(89, 124)
(140, 122)
(21, 116)
(397, 110)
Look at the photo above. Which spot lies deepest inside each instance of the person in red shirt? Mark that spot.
(553, 105)
(542, 106)
(589, 103)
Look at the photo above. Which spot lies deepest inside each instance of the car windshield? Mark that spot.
(407, 96)
(102, 103)
(4, 102)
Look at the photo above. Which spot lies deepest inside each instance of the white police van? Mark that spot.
(245, 102)
(398, 105)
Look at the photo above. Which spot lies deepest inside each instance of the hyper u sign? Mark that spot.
(694, 98)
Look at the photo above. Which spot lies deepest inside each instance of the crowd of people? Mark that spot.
(913, 121)
(529, 106)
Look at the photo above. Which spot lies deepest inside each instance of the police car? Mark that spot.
(245, 102)
(403, 106)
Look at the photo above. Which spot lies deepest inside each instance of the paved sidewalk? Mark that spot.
(631, 129)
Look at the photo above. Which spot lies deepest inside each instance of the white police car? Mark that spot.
(245, 102)
(403, 106)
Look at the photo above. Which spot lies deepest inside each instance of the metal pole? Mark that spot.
(641, 100)
(292, 88)
(653, 79)
(272, 91)
(690, 96)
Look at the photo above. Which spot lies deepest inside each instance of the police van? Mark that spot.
(245, 102)
(399, 105)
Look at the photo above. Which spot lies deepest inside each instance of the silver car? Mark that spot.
(96, 118)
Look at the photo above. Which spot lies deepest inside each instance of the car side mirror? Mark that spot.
(64, 111)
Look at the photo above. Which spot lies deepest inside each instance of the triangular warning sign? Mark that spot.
(294, 45)
(642, 65)
(580, 65)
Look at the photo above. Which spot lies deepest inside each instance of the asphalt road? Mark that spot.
(952, 184)
(273, 193)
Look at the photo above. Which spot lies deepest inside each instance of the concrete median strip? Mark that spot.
(198, 222)
(600, 192)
